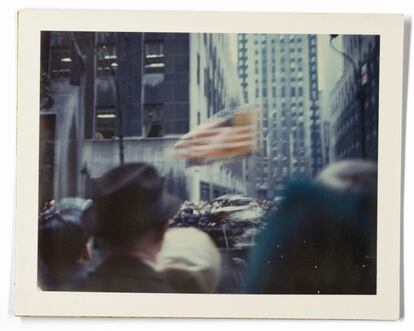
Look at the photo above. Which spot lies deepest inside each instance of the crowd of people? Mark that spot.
(202, 212)
(135, 237)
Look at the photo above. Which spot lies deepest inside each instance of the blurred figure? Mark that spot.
(322, 239)
(64, 245)
(131, 211)
(189, 261)
(350, 175)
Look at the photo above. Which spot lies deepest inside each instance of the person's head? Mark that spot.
(189, 261)
(349, 175)
(132, 210)
(63, 239)
(322, 238)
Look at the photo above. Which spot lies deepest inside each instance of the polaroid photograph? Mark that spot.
(208, 165)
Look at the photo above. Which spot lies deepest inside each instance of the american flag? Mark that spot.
(221, 138)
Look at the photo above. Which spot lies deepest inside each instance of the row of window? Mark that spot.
(294, 92)
(242, 52)
(154, 123)
(272, 39)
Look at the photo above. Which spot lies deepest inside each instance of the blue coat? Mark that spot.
(320, 241)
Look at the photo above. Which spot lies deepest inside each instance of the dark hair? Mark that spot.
(62, 237)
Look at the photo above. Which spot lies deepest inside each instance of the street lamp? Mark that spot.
(359, 93)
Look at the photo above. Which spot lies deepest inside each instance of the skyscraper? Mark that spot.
(354, 100)
(279, 74)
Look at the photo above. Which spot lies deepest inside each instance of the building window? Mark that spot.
(61, 62)
(106, 59)
(198, 69)
(153, 120)
(154, 56)
(205, 191)
(283, 91)
(105, 108)
(105, 125)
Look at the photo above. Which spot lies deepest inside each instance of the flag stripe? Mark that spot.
(222, 138)
(207, 141)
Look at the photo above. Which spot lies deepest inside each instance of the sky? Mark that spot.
(329, 62)
(233, 46)
(330, 66)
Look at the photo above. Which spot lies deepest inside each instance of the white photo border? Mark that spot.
(29, 300)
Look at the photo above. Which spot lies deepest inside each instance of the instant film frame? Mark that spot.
(29, 300)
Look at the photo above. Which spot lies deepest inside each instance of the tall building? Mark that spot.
(65, 90)
(279, 74)
(112, 97)
(326, 131)
(354, 100)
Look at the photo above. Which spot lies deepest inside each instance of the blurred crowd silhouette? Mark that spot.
(319, 238)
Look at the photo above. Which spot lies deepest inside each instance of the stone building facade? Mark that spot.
(126, 97)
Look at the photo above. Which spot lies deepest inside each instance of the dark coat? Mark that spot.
(60, 281)
(320, 241)
(124, 274)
